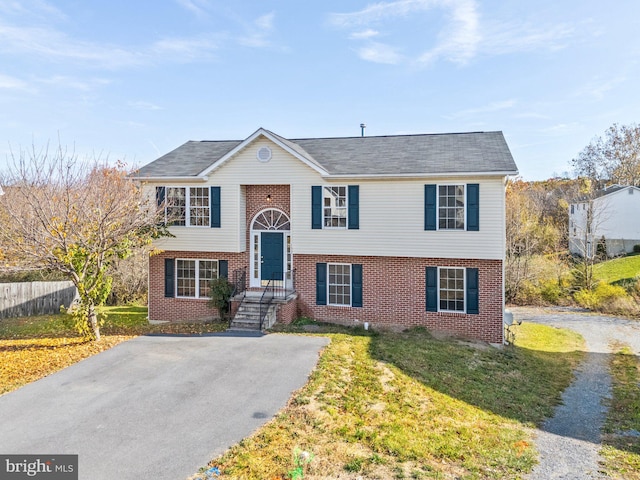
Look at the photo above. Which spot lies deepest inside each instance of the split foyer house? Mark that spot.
(611, 214)
(392, 230)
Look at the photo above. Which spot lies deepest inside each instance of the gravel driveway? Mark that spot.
(569, 442)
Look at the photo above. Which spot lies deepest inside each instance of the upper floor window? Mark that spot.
(451, 210)
(452, 207)
(186, 206)
(335, 207)
(334, 202)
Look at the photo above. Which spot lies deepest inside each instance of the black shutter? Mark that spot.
(169, 284)
(472, 291)
(356, 285)
(223, 269)
(473, 207)
(353, 199)
(316, 207)
(215, 207)
(430, 207)
(431, 294)
(160, 196)
(321, 283)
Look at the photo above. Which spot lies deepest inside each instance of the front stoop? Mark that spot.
(247, 318)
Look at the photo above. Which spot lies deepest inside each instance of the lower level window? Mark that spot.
(451, 289)
(193, 277)
(339, 284)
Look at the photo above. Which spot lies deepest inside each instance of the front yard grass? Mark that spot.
(34, 347)
(408, 405)
(621, 437)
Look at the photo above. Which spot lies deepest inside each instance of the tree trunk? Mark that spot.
(93, 321)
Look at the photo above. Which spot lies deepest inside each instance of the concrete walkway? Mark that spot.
(157, 406)
(569, 442)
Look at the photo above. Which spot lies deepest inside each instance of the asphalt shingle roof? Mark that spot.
(455, 153)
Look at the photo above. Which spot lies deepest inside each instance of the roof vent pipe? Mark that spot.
(362, 127)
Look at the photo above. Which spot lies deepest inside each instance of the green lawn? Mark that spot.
(621, 442)
(618, 269)
(408, 405)
(379, 405)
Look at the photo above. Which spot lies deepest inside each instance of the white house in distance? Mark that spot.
(402, 230)
(613, 214)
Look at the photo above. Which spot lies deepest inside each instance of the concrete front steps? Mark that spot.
(247, 317)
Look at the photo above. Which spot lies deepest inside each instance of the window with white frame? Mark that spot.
(199, 206)
(339, 284)
(451, 210)
(451, 289)
(176, 206)
(194, 200)
(334, 202)
(193, 277)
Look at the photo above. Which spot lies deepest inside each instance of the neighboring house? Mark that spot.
(403, 230)
(613, 214)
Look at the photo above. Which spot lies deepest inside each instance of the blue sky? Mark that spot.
(132, 80)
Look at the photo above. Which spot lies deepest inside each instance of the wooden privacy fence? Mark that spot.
(34, 298)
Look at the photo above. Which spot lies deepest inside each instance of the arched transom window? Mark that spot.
(271, 219)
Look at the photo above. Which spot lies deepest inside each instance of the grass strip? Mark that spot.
(34, 347)
(621, 439)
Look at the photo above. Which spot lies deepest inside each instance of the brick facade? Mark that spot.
(183, 309)
(393, 294)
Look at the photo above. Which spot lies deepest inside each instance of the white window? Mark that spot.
(181, 200)
(193, 277)
(451, 211)
(334, 202)
(339, 284)
(451, 289)
(199, 206)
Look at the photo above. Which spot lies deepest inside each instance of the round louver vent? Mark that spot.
(264, 154)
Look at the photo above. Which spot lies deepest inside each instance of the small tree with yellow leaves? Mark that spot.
(76, 217)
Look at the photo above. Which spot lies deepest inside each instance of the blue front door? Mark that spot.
(271, 250)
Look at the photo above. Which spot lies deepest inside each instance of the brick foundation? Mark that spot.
(393, 294)
(183, 309)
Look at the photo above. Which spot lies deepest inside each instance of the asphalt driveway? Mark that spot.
(157, 406)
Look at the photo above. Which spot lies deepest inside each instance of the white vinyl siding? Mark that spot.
(391, 213)
(392, 222)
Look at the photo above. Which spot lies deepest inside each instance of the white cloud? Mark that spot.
(379, 53)
(52, 44)
(259, 32)
(12, 83)
(457, 41)
(142, 105)
(462, 36)
(73, 83)
(365, 34)
(489, 108)
(511, 37)
(186, 48)
(599, 88)
(197, 7)
(32, 8)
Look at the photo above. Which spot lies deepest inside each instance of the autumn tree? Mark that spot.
(613, 158)
(75, 217)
